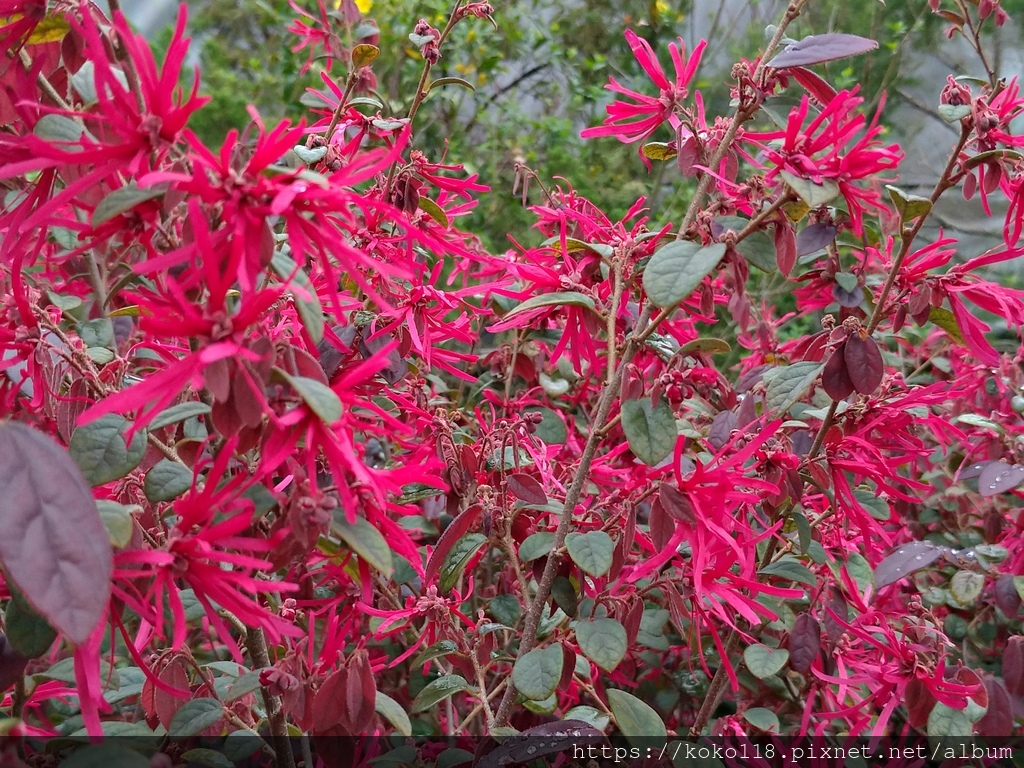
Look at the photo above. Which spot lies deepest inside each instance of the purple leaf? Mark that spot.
(526, 488)
(905, 560)
(863, 363)
(818, 48)
(814, 238)
(998, 477)
(804, 643)
(12, 664)
(721, 429)
(55, 547)
(541, 741)
(973, 471)
(847, 298)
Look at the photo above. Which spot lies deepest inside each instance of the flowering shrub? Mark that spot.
(289, 454)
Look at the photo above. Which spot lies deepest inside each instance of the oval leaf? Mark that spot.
(557, 299)
(638, 722)
(905, 560)
(764, 662)
(603, 641)
(804, 643)
(812, 194)
(122, 200)
(167, 480)
(863, 363)
(676, 270)
(458, 558)
(363, 539)
(194, 717)
(591, 551)
(55, 547)
(650, 430)
(788, 384)
(101, 451)
(999, 477)
(816, 49)
(537, 673)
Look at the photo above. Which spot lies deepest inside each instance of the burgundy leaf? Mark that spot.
(688, 155)
(818, 48)
(661, 524)
(676, 504)
(920, 702)
(815, 237)
(456, 529)
(848, 299)
(973, 471)
(785, 247)
(1007, 598)
(330, 707)
(905, 560)
(804, 643)
(527, 489)
(12, 664)
(55, 547)
(360, 692)
(721, 429)
(834, 378)
(568, 667)
(560, 736)
(998, 477)
(1013, 665)
(815, 85)
(631, 621)
(166, 704)
(863, 363)
(998, 719)
(836, 607)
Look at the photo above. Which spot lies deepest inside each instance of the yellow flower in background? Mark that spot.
(364, 6)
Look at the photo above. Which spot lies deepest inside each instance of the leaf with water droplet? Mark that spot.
(998, 477)
(905, 560)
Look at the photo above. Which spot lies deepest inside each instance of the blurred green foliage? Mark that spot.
(539, 79)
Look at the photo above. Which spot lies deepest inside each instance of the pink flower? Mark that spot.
(635, 122)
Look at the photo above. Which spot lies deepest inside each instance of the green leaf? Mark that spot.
(106, 756)
(434, 211)
(946, 320)
(590, 715)
(436, 651)
(167, 480)
(650, 429)
(123, 199)
(876, 507)
(507, 610)
(117, 518)
(812, 194)
(637, 720)
(101, 452)
(591, 551)
(393, 712)
(759, 250)
(58, 129)
(764, 662)
(787, 385)
(537, 673)
(762, 719)
(320, 398)
(536, 545)
(178, 413)
(952, 113)
(603, 641)
(244, 684)
(790, 568)
(551, 428)
(363, 539)
(860, 570)
(677, 269)
(706, 346)
(556, 299)
(308, 305)
(657, 150)
(439, 690)
(458, 558)
(944, 721)
(211, 758)
(194, 717)
(848, 282)
(443, 81)
(908, 206)
(966, 586)
(28, 633)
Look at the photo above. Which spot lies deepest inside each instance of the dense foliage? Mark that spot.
(290, 453)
